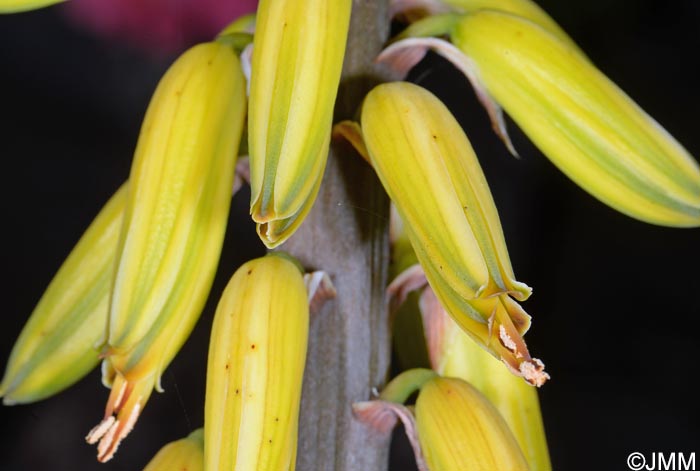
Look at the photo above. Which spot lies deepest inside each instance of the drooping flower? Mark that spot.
(422, 325)
(175, 216)
(428, 168)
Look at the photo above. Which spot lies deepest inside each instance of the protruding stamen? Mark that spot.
(533, 372)
(508, 342)
(106, 442)
(99, 430)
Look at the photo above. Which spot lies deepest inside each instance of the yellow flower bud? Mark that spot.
(297, 59)
(186, 454)
(459, 429)
(255, 368)
(58, 344)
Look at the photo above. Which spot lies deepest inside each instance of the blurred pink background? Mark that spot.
(158, 26)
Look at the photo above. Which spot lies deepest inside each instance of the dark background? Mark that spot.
(615, 311)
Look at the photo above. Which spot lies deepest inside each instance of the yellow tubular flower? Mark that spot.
(57, 346)
(174, 221)
(255, 368)
(430, 172)
(17, 6)
(582, 121)
(459, 429)
(297, 59)
(186, 454)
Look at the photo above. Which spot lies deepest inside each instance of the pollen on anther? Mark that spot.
(508, 341)
(98, 431)
(533, 372)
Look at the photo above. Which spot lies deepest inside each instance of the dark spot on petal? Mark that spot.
(250, 271)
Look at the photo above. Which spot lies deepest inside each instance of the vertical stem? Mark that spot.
(346, 235)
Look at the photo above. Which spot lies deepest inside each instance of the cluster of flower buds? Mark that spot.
(467, 305)
(451, 271)
(136, 283)
(421, 321)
